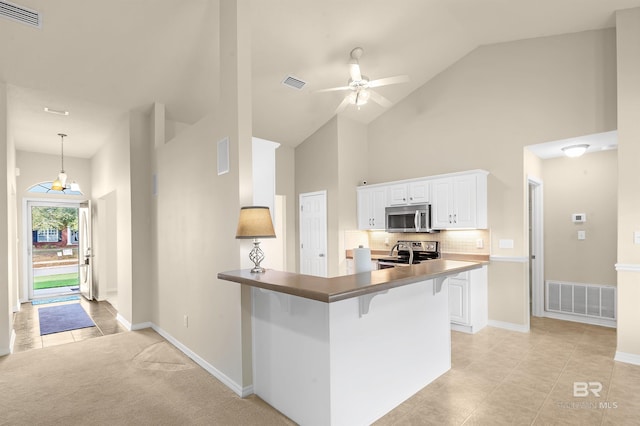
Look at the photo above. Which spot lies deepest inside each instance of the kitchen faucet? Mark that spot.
(403, 245)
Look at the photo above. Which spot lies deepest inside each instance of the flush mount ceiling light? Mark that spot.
(60, 183)
(55, 111)
(575, 150)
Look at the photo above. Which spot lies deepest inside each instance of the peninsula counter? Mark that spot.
(346, 350)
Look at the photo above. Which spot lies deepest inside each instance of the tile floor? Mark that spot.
(500, 377)
(27, 327)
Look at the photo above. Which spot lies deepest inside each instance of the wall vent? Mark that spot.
(294, 82)
(20, 14)
(587, 300)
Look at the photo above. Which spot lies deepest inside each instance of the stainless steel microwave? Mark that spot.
(415, 218)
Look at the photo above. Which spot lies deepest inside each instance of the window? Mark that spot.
(48, 235)
(45, 188)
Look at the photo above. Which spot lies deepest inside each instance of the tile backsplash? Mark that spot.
(464, 241)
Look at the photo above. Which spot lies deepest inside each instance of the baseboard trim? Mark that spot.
(627, 267)
(122, 320)
(239, 390)
(581, 319)
(516, 259)
(522, 328)
(627, 358)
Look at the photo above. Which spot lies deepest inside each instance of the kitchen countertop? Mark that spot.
(469, 257)
(344, 287)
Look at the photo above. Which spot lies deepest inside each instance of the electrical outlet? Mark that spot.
(386, 241)
(582, 235)
(479, 243)
(636, 237)
(186, 321)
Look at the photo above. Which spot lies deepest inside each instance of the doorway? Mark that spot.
(58, 249)
(536, 248)
(313, 233)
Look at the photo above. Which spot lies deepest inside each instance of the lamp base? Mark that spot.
(256, 255)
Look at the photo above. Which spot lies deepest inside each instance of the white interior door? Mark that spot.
(313, 233)
(84, 250)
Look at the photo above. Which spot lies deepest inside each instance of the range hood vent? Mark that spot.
(294, 82)
(20, 14)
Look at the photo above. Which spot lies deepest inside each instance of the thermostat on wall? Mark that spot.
(579, 217)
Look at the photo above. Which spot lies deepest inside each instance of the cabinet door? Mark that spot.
(364, 208)
(419, 192)
(464, 201)
(378, 199)
(398, 194)
(442, 203)
(458, 301)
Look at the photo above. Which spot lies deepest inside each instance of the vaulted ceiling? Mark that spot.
(99, 59)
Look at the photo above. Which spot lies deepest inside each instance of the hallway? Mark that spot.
(27, 326)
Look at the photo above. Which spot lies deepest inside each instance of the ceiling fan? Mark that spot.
(360, 86)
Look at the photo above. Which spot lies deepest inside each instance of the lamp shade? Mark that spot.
(255, 222)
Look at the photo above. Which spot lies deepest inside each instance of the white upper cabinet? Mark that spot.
(460, 201)
(371, 204)
(409, 193)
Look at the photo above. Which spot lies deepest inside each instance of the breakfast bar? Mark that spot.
(347, 350)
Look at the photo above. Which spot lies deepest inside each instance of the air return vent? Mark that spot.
(293, 82)
(20, 14)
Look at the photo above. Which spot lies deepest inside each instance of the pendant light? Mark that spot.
(60, 183)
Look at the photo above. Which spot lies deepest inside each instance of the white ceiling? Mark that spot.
(99, 59)
(597, 142)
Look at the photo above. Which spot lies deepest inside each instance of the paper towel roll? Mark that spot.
(361, 259)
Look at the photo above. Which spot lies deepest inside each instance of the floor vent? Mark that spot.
(293, 82)
(20, 14)
(587, 300)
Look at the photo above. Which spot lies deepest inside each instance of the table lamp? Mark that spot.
(255, 222)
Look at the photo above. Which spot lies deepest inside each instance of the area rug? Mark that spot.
(54, 300)
(55, 319)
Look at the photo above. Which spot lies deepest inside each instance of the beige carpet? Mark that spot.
(132, 378)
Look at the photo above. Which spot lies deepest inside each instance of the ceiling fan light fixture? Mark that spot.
(574, 151)
(359, 97)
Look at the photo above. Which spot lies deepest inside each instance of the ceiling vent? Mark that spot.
(20, 14)
(294, 82)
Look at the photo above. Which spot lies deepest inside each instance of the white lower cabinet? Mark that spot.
(468, 310)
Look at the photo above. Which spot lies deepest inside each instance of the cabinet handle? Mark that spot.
(450, 219)
(404, 199)
(373, 221)
(455, 218)
(369, 221)
(411, 198)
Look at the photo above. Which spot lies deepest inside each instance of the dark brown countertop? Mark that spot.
(347, 286)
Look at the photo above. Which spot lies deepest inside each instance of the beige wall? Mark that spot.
(316, 169)
(587, 184)
(6, 291)
(110, 173)
(481, 112)
(352, 170)
(628, 66)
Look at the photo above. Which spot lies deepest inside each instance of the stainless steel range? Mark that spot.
(410, 252)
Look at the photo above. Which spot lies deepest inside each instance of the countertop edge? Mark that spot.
(356, 285)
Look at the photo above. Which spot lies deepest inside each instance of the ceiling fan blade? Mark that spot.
(389, 80)
(333, 89)
(343, 105)
(354, 70)
(379, 99)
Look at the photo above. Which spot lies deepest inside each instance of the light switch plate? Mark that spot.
(582, 235)
(636, 237)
